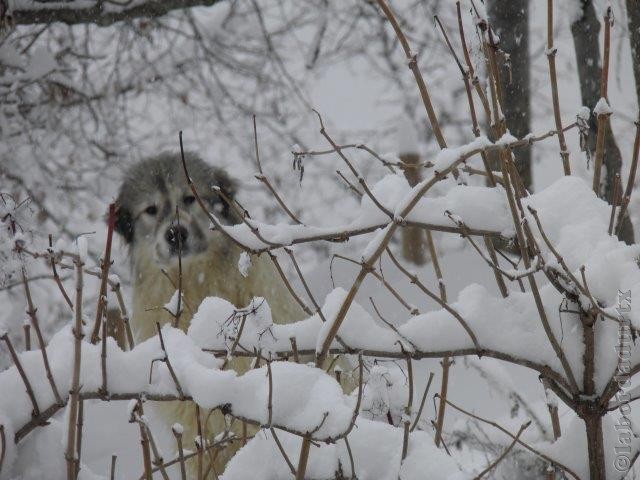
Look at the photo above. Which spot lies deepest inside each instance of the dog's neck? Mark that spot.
(211, 273)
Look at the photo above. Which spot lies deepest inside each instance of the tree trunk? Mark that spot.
(585, 31)
(510, 21)
(412, 237)
(595, 446)
(633, 17)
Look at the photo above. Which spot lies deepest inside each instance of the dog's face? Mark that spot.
(156, 209)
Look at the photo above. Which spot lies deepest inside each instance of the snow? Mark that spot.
(172, 305)
(602, 107)
(584, 113)
(447, 156)
(376, 449)
(40, 64)
(244, 264)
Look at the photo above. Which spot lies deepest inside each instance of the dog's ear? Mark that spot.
(124, 223)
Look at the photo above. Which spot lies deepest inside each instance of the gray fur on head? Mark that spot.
(150, 193)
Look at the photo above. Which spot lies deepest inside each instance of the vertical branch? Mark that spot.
(466, 77)
(74, 393)
(413, 66)
(444, 386)
(32, 313)
(178, 312)
(105, 264)
(56, 277)
(112, 474)
(270, 401)
(103, 357)
(508, 175)
(551, 56)
(603, 116)
(632, 177)
(3, 446)
(615, 201)
(80, 424)
(552, 406)
(144, 441)
(467, 58)
(27, 336)
(412, 237)
(199, 444)
(167, 362)
(177, 432)
(407, 410)
(488, 242)
(125, 316)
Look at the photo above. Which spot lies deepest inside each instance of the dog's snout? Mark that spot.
(176, 236)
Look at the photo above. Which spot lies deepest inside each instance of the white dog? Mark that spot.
(146, 219)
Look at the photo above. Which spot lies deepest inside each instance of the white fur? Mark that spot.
(212, 273)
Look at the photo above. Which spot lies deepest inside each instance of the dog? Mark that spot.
(161, 221)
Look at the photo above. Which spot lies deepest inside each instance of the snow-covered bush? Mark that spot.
(562, 308)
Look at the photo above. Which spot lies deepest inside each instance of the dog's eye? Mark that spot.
(151, 210)
(189, 199)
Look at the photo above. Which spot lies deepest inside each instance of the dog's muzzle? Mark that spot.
(176, 236)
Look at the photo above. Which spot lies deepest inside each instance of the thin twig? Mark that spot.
(103, 355)
(505, 431)
(413, 66)
(112, 474)
(56, 277)
(270, 398)
(353, 169)
(422, 402)
(167, 362)
(407, 411)
(282, 451)
(632, 177)
(615, 201)
(603, 117)
(506, 451)
(115, 287)
(105, 264)
(32, 313)
(23, 374)
(416, 281)
(177, 433)
(74, 393)
(27, 336)
(551, 56)
(79, 426)
(264, 179)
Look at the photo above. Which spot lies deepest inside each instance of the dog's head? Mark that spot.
(157, 210)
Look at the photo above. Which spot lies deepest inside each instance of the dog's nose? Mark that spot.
(176, 236)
